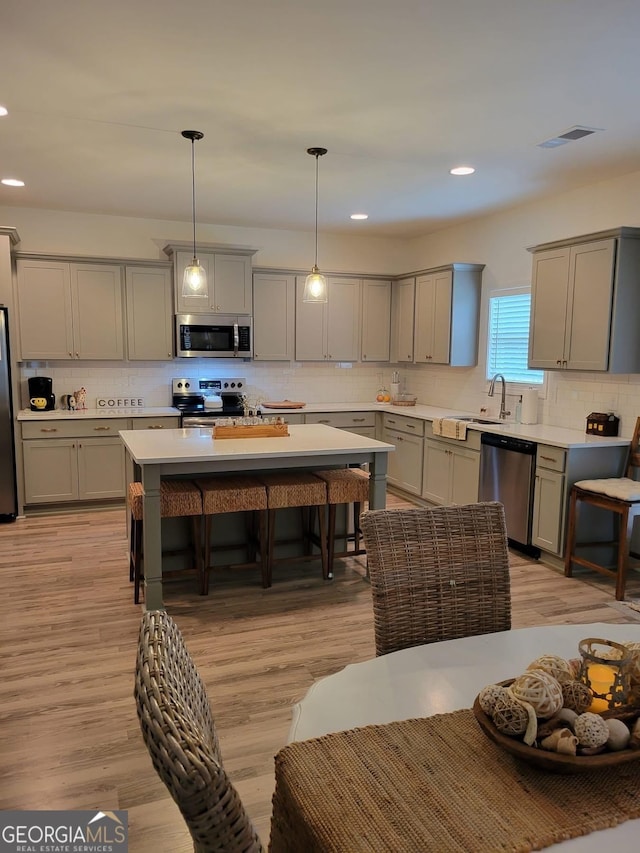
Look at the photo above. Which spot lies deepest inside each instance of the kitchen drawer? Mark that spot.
(156, 423)
(73, 429)
(342, 420)
(399, 422)
(550, 457)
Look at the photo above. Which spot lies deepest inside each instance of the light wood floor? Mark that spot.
(69, 736)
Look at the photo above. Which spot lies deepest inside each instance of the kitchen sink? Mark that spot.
(474, 420)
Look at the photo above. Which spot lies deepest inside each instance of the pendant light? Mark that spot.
(315, 286)
(194, 281)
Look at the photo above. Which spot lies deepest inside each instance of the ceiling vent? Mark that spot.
(576, 132)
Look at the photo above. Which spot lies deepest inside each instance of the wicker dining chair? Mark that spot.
(437, 573)
(179, 732)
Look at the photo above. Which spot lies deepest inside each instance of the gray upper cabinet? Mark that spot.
(436, 315)
(585, 303)
(273, 316)
(70, 310)
(228, 280)
(403, 297)
(329, 331)
(149, 313)
(376, 320)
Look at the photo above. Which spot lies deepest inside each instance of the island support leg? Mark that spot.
(152, 538)
(378, 481)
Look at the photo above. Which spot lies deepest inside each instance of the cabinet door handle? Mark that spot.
(357, 420)
(156, 426)
(102, 428)
(389, 421)
(399, 438)
(70, 355)
(549, 458)
(564, 363)
(325, 421)
(558, 361)
(410, 426)
(48, 429)
(77, 355)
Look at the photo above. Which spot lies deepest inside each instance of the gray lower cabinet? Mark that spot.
(69, 461)
(167, 422)
(451, 473)
(405, 464)
(556, 472)
(549, 499)
(362, 423)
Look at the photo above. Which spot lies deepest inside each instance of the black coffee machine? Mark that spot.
(41, 396)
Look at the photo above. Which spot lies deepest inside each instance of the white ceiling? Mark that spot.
(397, 90)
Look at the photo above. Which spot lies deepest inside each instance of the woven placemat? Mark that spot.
(435, 784)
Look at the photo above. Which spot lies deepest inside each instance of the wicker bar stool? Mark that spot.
(235, 494)
(344, 486)
(178, 498)
(295, 489)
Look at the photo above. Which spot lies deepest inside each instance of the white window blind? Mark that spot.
(508, 338)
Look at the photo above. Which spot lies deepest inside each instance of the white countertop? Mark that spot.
(540, 433)
(149, 447)
(66, 415)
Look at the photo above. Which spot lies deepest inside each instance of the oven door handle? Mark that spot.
(236, 339)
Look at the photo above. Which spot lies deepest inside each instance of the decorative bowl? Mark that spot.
(404, 400)
(542, 758)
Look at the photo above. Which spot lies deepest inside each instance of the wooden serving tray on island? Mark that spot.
(251, 431)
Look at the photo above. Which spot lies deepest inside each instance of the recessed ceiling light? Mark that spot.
(3, 111)
(462, 170)
(359, 216)
(12, 182)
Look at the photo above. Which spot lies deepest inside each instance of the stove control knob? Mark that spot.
(233, 384)
(226, 384)
(187, 385)
(239, 384)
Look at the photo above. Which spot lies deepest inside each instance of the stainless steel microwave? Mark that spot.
(213, 336)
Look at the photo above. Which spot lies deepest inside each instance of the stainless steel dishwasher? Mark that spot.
(507, 469)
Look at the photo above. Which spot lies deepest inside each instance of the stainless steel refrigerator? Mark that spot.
(8, 498)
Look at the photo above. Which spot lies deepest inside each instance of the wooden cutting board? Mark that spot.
(283, 404)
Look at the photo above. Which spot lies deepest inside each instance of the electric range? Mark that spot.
(189, 397)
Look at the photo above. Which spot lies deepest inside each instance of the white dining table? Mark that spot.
(441, 677)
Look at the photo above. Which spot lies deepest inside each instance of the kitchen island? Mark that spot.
(194, 452)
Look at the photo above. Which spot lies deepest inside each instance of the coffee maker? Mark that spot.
(41, 396)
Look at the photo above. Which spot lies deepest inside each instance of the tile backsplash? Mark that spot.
(566, 401)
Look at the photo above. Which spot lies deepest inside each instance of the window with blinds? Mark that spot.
(508, 338)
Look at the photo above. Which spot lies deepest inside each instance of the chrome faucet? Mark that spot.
(492, 387)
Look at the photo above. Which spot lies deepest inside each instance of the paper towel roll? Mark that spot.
(529, 413)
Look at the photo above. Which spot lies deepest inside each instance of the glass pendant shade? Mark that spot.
(194, 281)
(315, 287)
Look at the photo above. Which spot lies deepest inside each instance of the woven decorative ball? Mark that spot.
(488, 697)
(540, 690)
(634, 669)
(576, 695)
(575, 665)
(556, 666)
(510, 716)
(591, 730)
